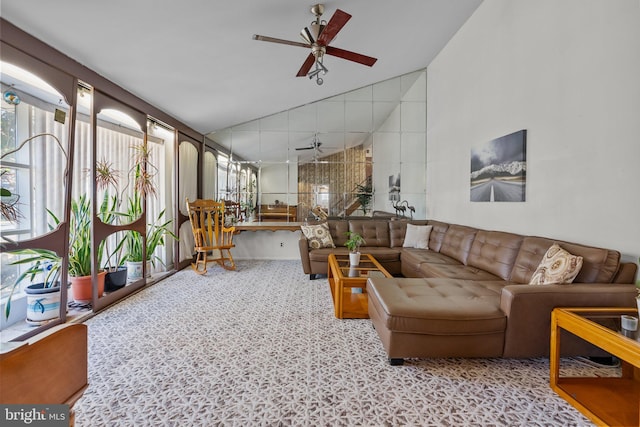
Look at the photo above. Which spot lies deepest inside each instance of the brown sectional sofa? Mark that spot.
(468, 294)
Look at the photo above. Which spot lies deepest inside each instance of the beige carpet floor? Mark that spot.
(261, 347)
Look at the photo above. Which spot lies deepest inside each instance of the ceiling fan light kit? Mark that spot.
(317, 36)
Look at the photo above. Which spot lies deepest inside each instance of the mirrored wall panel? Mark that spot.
(361, 153)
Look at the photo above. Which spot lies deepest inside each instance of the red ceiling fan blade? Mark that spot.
(334, 25)
(351, 56)
(281, 41)
(308, 63)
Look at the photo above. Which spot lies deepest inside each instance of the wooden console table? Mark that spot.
(604, 400)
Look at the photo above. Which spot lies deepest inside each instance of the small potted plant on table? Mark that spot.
(353, 244)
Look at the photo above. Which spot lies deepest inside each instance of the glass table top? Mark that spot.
(622, 321)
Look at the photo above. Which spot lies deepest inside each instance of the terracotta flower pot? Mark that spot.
(82, 287)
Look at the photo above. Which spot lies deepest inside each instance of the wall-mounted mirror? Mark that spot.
(352, 154)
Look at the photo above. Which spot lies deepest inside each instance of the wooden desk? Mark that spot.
(344, 279)
(605, 401)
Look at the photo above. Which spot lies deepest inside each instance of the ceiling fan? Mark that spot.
(315, 145)
(317, 36)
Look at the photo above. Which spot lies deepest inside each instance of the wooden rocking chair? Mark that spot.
(213, 240)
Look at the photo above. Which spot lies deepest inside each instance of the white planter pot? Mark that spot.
(134, 270)
(42, 303)
(354, 258)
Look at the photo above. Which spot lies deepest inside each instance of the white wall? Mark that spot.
(568, 71)
(399, 147)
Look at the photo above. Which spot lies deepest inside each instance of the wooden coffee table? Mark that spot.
(348, 284)
(606, 401)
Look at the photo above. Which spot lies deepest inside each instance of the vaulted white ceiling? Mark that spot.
(196, 59)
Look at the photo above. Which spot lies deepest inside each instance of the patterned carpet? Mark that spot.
(260, 346)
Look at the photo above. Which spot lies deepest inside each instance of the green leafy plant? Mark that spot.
(156, 233)
(354, 241)
(42, 261)
(80, 238)
(364, 193)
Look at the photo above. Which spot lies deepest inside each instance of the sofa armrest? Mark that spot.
(528, 310)
(303, 245)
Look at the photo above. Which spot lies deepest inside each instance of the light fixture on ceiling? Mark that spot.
(320, 68)
(317, 36)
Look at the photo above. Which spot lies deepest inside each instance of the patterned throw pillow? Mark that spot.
(557, 266)
(318, 236)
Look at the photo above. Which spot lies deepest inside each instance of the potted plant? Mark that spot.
(116, 272)
(8, 202)
(364, 193)
(133, 242)
(43, 298)
(80, 252)
(353, 244)
(142, 172)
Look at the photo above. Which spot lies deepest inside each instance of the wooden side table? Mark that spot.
(606, 401)
(348, 284)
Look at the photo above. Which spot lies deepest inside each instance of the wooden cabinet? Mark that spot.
(284, 213)
(48, 368)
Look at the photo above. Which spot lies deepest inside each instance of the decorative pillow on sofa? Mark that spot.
(318, 236)
(557, 266)
(417, 236)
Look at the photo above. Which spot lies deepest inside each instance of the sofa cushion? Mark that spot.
(318, 235)
(381, 254)
(557, 266)
(495, 252)
(457, 242)
(398, 228)
(417, 236)
(338, 230)
(454, 271)
(374, 232)
(437, 234)
(598, 265)
(412, 259)
(438, 306)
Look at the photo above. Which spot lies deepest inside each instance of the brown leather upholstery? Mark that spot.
(495, 252)
(437, 234)
(375, 233)
(457, 242)
(467, 295)
(598, 265)
(436, 317)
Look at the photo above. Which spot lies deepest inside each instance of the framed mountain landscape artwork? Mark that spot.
(499, 169)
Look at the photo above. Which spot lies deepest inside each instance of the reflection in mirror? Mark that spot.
(210, 176)
(34, 160)
(343, 154)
